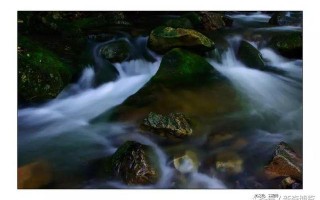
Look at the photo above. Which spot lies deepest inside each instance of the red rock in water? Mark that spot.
(285, 163)
(34, 175)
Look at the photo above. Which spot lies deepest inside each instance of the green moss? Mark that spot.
(41, 74)
(116, 51)
(250, 56)
(183, 67)
(195, 19)
(164, 38)
(289, 44)
(181, 22)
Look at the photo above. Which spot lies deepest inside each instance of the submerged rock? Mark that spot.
(163, 39)
(285, 162)
(286, 18)
(135, 164)
(187, 162)
(288, 45)
(290, 183)
(250, 56)
(41, 74)
(229, 162)
(116, 51)
(174, 124)
(34, 175)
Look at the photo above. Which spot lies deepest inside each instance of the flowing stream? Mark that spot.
(65, 132)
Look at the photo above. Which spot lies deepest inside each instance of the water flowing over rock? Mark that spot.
(186, 162)
(286, 18)
(229, 162)
(250, 56)
(174, 124)
(285, 162)
(163, 39)
(135, 164)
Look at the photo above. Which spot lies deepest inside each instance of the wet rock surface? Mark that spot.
(34, 175)
(285, 162)
(173, 124)
(162, 39)
(135, 164)
(250, 56)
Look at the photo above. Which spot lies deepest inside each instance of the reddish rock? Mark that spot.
(285, 163)
(34, 175)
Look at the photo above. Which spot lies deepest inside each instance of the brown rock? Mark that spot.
(34, 175)
(284, 163)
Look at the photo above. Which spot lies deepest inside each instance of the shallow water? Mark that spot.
(69, 133)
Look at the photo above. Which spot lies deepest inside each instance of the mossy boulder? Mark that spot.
(212, 21)
(250, 56)
(162, 39)
(116, 51)
(208, 21)
(41, 74)
(285, 163)
(185, 83)
(69, 23)
(288, 45)
(286, 18)
(182, 67)
(181, 22)
(135, 164)
(173, 124)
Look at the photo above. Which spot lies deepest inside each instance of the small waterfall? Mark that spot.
(70, 111)
(266, 91)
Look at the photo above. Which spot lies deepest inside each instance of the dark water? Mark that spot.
(69, 131)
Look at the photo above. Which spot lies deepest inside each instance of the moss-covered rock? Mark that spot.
(212, 21)
(164, 38)
(181, 22)
(286, 18)
(288, 45)
(185, 83)
(116, 51)
(69, 23)
(182, 67)
(208, 21)
(41, 73)
(250, 56)
(173, 124)
(135, 164)
(285, 162)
